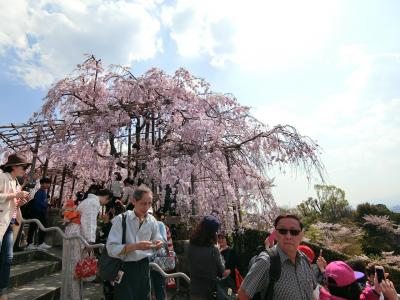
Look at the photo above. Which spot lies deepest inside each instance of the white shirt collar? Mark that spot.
(146, 217)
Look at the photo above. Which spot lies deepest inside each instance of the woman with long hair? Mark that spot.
(205, 262)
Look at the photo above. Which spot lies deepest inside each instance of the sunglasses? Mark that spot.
(293, 232)
(25, 167)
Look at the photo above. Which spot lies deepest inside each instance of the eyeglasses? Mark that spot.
(293, 232)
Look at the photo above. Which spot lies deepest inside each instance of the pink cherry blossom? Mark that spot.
(206, 146)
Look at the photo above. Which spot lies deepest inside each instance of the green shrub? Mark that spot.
(248, 244)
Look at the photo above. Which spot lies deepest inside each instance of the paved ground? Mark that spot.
(93, 291)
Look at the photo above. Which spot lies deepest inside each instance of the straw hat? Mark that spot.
(16, 160)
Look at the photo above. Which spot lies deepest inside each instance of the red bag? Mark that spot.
(171, 284)
(238, 279)
(86, 268)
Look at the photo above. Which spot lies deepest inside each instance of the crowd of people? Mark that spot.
(144, 234)
(298, 278)
(120, 216)
(96, 215)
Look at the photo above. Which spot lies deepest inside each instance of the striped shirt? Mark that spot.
(296, 280)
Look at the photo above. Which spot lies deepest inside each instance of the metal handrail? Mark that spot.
(93, 246)
(157, 268)
(63, 235)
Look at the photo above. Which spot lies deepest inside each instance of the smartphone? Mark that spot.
(380, 273)
(118, 279)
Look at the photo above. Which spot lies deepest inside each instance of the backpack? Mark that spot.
(274, 274)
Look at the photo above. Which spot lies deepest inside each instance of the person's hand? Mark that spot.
(266, 243)
(388, 290)
(21, 202)
(22, 195)
(144, 245)
(22, 199)
(105, 218)
(27, 196)
(321, 262)
(386, 287)
(158, 244)
(226, 273)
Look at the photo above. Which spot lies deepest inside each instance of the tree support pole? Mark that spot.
(64, 173)
(34, 156)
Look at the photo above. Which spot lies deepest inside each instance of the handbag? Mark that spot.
(225, 289)
(86, 268)
(109, 266)
(238, 279)
(165, 259)
(171, 283)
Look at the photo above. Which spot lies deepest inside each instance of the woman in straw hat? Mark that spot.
(11, 198)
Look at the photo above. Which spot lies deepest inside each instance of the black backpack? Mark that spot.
(274, 274)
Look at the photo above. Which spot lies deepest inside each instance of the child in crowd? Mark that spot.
(70, 213)
(341, 283)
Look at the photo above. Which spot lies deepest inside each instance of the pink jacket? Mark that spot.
(367, 294)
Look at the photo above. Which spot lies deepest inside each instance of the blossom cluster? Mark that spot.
(172, 130)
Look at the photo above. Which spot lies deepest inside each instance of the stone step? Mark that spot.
(45, 288)
(30, 271)
(23, 257)
(27, 256)
(49, 288)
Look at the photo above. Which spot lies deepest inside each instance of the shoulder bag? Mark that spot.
(109, 266)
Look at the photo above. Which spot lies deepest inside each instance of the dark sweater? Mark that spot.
(231, 261)
(205, 265)
(40, 202)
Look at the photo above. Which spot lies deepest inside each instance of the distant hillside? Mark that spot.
(396, 208)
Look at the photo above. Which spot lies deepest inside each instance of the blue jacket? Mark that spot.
(40, 202)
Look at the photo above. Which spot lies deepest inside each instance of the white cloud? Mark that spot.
(255, 34)
(13, 26)
(357, 127)
(51, 35)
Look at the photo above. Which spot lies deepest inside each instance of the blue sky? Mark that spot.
(330, 68)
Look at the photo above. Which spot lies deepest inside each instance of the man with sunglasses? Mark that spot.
(296, 280)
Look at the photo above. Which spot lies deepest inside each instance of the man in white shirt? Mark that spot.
(142, 239)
